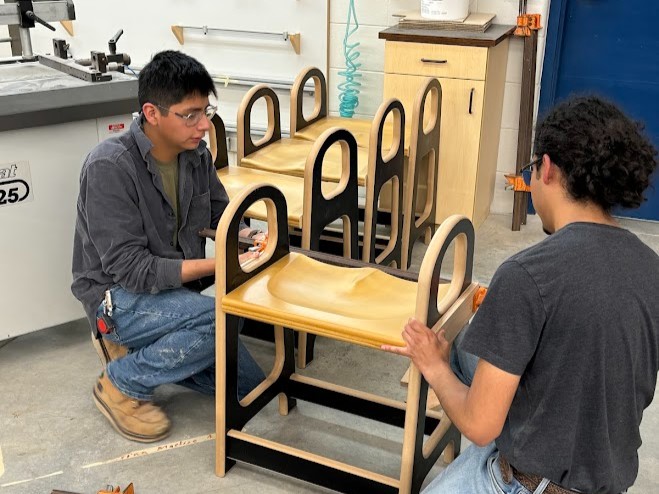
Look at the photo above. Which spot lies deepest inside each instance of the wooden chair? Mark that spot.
(319, 121)
(290, 290)
(283, 155)
(315, 203)
(236, 178)
(424, 150)
(383, 170)
(420, 145)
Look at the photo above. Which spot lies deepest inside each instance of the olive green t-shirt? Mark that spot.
(169, 175)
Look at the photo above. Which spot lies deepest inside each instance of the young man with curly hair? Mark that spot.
(138, 258)
(561, 359)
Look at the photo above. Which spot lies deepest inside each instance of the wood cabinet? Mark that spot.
(471, 69)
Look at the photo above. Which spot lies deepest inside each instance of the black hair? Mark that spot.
(605, 157)
(172, 76)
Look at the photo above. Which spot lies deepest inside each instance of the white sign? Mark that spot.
(15, 183)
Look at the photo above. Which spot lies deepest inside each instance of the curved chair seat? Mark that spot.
(356, 305)
(359, 127)
(235, 179)
(347, 304)
(289, 157)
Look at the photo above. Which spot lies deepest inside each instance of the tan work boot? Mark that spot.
(134, 419)
(108, 350)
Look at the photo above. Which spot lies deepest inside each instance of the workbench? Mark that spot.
(49, 121)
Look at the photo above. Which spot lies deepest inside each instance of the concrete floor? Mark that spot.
(53, 437)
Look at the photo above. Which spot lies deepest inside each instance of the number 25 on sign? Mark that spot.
(14, 184)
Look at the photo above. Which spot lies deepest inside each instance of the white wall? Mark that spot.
(147, 30)
(144, 36)
(375, 15)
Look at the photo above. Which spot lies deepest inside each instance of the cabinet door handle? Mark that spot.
(431, 60)
(471, 100)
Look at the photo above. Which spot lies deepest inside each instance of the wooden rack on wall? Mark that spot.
(292, 38)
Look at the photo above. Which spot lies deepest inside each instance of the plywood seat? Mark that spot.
(237, 178)
(312, 127)
(348, 304)
(359, 127)
(314, 204)
(358, 305)
(289, 156)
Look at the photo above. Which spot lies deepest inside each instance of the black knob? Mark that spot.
(31, 15)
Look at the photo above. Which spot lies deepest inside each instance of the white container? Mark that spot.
(445, 10)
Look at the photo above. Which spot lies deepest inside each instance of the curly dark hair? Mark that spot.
(605, 156)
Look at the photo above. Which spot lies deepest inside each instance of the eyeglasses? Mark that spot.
(527, 170)
(193, 118)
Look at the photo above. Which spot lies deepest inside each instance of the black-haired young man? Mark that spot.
(561, 359)
(144, 196)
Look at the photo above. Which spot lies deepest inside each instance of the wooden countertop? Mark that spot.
(495, 34)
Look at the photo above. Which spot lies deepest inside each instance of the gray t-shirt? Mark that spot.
(577, 317)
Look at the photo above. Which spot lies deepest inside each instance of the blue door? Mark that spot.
(609, 48)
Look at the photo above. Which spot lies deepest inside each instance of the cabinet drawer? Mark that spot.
(451, 61)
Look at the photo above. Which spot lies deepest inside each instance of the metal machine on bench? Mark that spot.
(25, 14)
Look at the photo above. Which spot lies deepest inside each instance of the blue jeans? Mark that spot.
(476, 470)
(171, 337)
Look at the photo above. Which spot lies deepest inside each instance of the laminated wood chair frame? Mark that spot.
(319, 121)
(424, 147)
(318, 209)
(235, 178)
(282, 155)
(298, 121)
(240, 293)
(246, 144)
(380, 169)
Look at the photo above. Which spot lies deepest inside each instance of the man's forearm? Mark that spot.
(453, 396)
(194, 269)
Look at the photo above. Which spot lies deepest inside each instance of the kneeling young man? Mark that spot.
(138, 258)
(561, 359)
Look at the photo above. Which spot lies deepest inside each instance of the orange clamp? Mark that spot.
(479, 296)
(527, 23)
(109, 490)
(260, 244)
(516, 182)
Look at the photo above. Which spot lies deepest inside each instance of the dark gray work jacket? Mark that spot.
(125, 222)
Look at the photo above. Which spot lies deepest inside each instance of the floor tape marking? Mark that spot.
(155, 449)
(35, 478)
